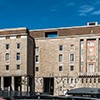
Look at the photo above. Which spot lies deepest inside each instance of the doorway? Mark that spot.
(7, 83)
(48, 85)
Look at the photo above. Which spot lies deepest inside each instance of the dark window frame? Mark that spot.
(18, 56)
(60, 68)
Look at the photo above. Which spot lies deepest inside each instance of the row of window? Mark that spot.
(72, 56)
(60, 48)
(8, 37)
(71, 47)
(17, 67)
(7, 56)
(90, 80)
(60, 68)
(8, 46)
(60, 58)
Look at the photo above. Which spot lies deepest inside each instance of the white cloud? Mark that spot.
(96, 12)
(85, 9)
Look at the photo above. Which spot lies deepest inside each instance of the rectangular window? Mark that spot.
(37, 58)
(94, 80)
(82, 80)
(7, 67)
(60, 68)
(71, 68)
(18, 45)
(90, 68)
(18, 67)
(72, 46)
(7, 56)
(18, 36)
(60, 48)
(86, 80)
(37, 68)
(7, 37)
(60, 57)
(71, 80)
(90, 80)
(18, 56)
(51, 34)
(71, 57)
(67, 80)
(98, 80)
(37, 50)
(7, 46)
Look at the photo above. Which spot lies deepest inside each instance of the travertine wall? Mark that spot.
(12, 62)
(49, 62)
(66, 79)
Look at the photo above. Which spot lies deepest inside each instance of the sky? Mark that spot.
(42, 14)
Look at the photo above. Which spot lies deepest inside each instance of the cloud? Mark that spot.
(96, 12)
(85, 9)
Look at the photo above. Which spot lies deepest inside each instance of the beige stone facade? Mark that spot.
(16, 63)
(56, 60)
(75, 65)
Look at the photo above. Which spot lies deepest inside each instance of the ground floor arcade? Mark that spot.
(16, 83)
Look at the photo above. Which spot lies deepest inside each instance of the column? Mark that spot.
(24, 83)
(2, 82)
(12, 83)
(97, 55)
(85, 55)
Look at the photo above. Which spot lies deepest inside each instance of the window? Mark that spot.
(37, 49)
(98, 80)
(60, 48)
(82, 80)
(17, 66)
(18, 45)
(37, 58)
(71, 57)
(7, 46)
(94, 80)
(75, 81)
(60, 57)
(90, 80)
(7, 56)
(18, 36)
(67, 80)
(7, 37)
(7, 67)
(90, 68)
(71, 68)
(71, 80)
(72, 46)
(60, 68)
(37, 68)
(18, 56)
(51, 34)
(86, 80)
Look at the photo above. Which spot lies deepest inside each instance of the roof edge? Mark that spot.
(63, 28)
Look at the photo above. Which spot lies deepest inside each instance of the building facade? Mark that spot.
(50, 60)
(67, 58)
(16, 63)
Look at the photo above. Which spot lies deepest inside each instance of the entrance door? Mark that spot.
(48, 85)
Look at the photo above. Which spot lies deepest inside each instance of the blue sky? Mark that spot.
(40, 14)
